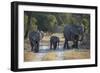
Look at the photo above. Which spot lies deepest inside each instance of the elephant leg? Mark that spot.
(55, 46)
(66, 43)
(36, 47)
(51, 45)
(75, 44)
(31, 46)
(58, 44)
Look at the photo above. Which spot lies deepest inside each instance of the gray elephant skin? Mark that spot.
(54, 42)
(74, 33)
(34, 38)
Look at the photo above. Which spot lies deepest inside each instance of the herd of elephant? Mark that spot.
(71, 32)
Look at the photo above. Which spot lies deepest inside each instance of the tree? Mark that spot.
(33, 24)
(25, 23)
(28, 24)
(51, 23)
(86, 22)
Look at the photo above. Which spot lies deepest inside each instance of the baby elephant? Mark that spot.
(54, 42)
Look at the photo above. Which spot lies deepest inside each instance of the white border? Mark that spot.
(22, 64)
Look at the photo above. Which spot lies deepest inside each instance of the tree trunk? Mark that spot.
(29, 24)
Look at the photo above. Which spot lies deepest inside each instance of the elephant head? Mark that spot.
(81, 32)
(34, 38)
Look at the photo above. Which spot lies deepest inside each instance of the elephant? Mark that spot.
(54, 42)
(74, 33)
(34, 38)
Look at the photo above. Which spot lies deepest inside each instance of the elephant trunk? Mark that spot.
(41, 35)
(81, 37)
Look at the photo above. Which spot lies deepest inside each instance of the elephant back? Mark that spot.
(35, 36)
(72, 30)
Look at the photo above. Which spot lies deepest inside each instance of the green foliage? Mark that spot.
(67, 18)
(73, 21)
(33, 24)
(86, 22)
(49, 21)
(25, 23)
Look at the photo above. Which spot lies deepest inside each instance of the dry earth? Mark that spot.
(57, 55)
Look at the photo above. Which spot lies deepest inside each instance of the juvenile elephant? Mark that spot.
(34, 38)
(54, 42)
(73, 33)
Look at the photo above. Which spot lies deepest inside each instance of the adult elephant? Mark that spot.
(54, 42)
(73, 33)
(34, 38)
